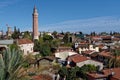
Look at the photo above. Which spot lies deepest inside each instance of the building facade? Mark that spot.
(25, 45)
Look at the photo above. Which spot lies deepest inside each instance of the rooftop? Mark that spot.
(105, 54)
(6, 42)
(78, 58)
(24, 41)
(114, 71)
(96, 75)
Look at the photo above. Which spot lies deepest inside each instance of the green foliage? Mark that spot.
(66, 38)
(67, 44)
(55, 43)
(63, 72)
(87, 68)
(80, 35)
(36, 46)
(14, 46)
(16, 33)
(75, 72)
(116, 53)
(28, 59)
(114, 61)
(46, 44)
(45, 50)
(47, 38)
(54, 34)
(93, 33)
(10, 63)
(41, 40)
(69, 73)
(27, 35)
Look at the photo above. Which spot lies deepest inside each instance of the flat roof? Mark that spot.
(6, 42)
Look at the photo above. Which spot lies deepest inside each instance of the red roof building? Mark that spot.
(106, 74)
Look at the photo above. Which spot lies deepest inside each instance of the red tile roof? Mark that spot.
(116, 72)
(106, 73)
(105, 54)
(101, 46)
(78, 58)
(116, 39)
(106, 37)
(64, 49)
(24, 41)
(83, 43)
(95, 75)
(88, 51)
(42, 77)
(96, 37)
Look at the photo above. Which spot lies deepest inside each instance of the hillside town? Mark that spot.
(34, 55)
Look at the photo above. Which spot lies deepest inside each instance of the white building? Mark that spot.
(26, 45)
(64, 54)
(89, 48)
(81, 60)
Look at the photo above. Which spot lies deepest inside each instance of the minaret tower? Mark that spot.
(35, 24)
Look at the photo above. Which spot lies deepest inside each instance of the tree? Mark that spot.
(14, 46)
(27, 35)
(69, 73)
(10, 64)
(47, 38)
(93, 34)
(16, 33)
(66, 38)
(63, 72)
(87, 68)
(36, 47)
(114, 61)
(54, 34)
(54, 44)
(45, 50)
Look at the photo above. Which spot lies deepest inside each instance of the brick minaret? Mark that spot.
(35, 24)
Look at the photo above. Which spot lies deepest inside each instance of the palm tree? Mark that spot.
(11, 61)
(114, 61)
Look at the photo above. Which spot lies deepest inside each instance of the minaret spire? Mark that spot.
(35, 9)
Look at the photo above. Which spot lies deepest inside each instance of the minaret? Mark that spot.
(35, 24)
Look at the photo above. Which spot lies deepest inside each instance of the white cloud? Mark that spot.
(6, 3)
(98, 24)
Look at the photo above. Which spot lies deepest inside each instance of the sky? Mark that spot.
(62, 15)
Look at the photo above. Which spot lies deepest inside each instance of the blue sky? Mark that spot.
(62, 15)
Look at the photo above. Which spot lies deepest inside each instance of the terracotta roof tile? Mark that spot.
(101, 46)
(64, 49)
(88, 51)
(78, 58)
(116, 39)
(116, 72)
(24, 41)
(96, 75)
(42, 77)
(105, 54)
(106, 73)
(96, 37)
(106, 37)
